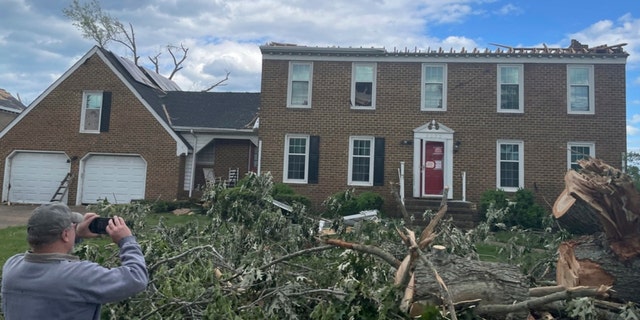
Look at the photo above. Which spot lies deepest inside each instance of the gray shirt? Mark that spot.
(60, 286)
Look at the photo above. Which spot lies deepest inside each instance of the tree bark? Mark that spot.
(493, 283)
(588, 262)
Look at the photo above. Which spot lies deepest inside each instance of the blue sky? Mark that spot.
(38, 43)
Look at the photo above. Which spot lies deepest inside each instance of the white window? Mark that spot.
(434, 87)
(361, 153)
(363, 86)
(296, 158)
(577, 151)
(510, 166)
(299, 92)
(580, 91)
(91, 111)
(510, 88)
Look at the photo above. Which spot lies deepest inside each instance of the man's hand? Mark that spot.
(118, 229)
(82, 229)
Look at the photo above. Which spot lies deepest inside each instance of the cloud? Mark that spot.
(635, 118)
(632, 131)
(623, 30)
(509, 9)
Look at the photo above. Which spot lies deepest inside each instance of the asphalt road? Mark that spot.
(18, 214)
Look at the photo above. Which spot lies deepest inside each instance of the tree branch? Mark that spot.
(183, 254)
(295, 254)
(219, 83)
(576, 292)
(177, 64)
(387, 257)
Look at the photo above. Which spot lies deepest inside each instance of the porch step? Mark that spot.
(465, 214)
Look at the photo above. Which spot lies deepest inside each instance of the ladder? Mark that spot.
(62, 189)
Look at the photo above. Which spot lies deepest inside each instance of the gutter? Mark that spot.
(213, 130)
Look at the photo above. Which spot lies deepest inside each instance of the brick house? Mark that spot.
(122, 133)
(337, 118)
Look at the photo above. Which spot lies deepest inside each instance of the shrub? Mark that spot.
(346, 203)
(284, 193)
(525, 211)
(521, 211)
(495, 198)
(369, 200)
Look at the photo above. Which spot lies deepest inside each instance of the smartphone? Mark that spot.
(99, 225)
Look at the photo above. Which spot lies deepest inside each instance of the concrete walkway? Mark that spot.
(18, 214)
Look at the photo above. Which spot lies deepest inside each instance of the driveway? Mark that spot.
(18, 214)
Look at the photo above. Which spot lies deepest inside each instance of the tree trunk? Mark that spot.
(493, 283)
(576, 216)
(588, 262)
(612, 200)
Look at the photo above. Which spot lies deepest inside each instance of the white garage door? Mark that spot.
(119, 179)
(34, 177)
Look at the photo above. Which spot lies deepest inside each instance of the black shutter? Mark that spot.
(106, 111)
(378, 163)
(314, 159)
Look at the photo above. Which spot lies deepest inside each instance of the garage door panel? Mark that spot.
(119, 179)
(36, 176)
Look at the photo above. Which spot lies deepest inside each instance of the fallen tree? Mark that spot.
(432, 277)
(602, 201)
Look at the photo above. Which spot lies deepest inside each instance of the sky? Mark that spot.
(38, 43)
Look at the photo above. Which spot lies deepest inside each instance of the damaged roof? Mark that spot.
(189, 109)
(10, 103)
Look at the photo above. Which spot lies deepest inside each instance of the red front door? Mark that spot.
(433, 168)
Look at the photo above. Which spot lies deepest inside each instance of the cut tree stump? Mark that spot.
(602, 201)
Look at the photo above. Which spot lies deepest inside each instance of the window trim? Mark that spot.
(373, 85)
(444, 87)
(590, 145)
(520, 144)
(592, 102)
(290, 85)
(285, 170)
(372, 153)
(520, 88)
(83, 110)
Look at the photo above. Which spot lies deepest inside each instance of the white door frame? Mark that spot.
(437, 132)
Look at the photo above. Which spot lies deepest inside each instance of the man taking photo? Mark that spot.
(48, 282)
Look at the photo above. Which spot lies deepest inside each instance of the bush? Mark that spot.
(162, 206)
(525, 211)
(497, 198)
(284, 193)
(346, 203)
(522, 211)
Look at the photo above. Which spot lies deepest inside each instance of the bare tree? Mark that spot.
(177, 62)
(99, 26)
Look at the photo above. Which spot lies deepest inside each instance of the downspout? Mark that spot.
(259, 156)
(193, 163)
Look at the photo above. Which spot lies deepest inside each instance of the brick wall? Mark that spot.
(545, 127)
(229, 153)
(54, 125)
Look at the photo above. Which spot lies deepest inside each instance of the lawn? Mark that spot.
(14, 239)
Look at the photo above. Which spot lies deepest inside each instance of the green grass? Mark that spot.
(14, 239)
